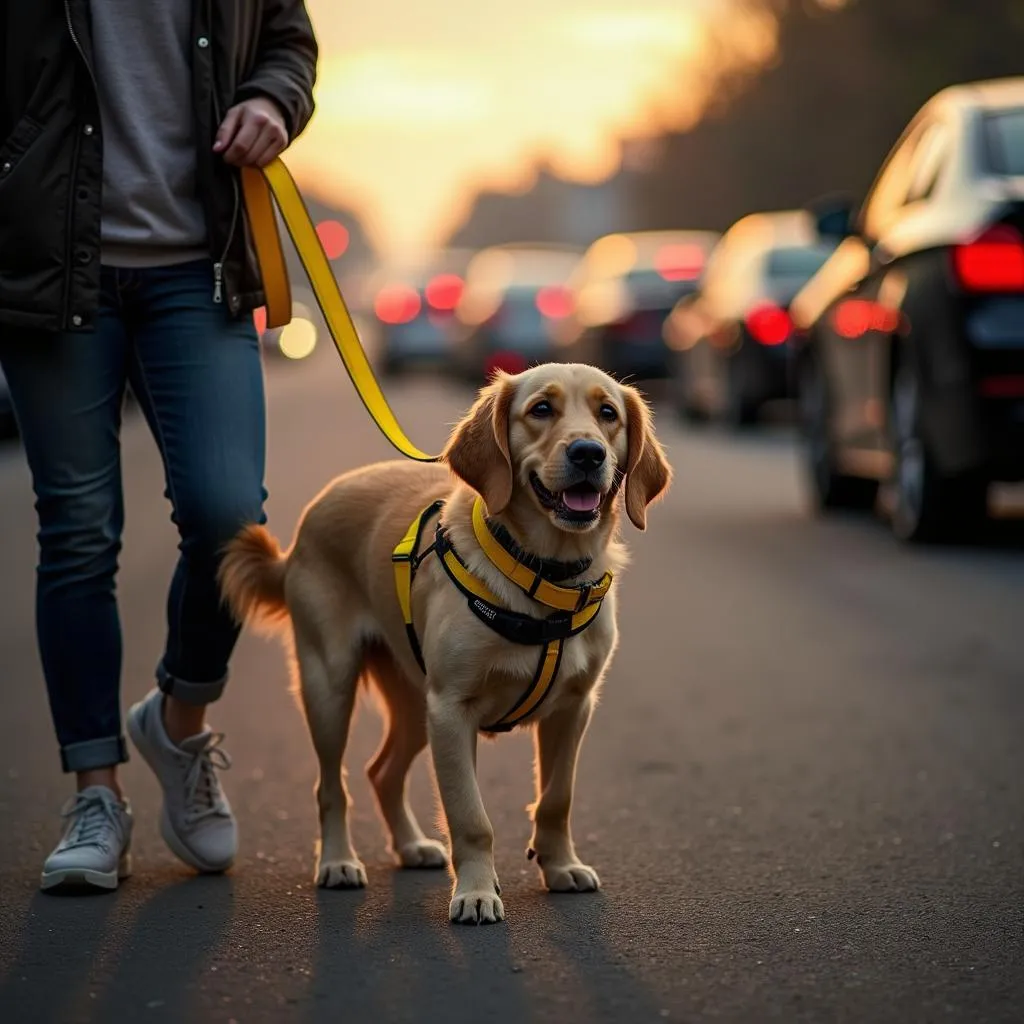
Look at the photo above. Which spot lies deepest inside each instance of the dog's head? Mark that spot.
(561, 437)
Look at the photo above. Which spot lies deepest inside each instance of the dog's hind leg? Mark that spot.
(405, 736)
(329, 663)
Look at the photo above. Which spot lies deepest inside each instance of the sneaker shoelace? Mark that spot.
(93, 818)
(202, 788)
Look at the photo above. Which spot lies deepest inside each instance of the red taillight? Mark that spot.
(993, 262)
(554, 303)
(333, 237)
(769, 325)
(508, 362)
(853, 318)
(397, 304)
(679, 262)
(443, 292)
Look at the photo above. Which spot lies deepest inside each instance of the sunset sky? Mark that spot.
(421, 103)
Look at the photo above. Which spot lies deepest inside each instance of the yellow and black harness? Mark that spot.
(574, 607)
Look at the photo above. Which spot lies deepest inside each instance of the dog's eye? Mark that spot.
(608, 413)
(541, 410)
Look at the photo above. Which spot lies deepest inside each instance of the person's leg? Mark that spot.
(198, 376)
(67, 391)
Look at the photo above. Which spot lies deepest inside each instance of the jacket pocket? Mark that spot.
(14, 147)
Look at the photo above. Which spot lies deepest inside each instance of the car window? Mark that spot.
(1004, 137)
(796, 261)
(929, 160)
(892, 185)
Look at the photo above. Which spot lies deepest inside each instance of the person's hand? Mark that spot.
(252, 133)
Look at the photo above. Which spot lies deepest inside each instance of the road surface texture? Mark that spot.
(803, 789)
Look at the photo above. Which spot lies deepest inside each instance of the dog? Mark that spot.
(460, 637)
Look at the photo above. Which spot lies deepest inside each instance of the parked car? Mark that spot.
(732, 339)
(413, 308)
(623, 291)
(8, 427)
(515, 297)
(912, 356)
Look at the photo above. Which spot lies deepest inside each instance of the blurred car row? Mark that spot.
(895, 328)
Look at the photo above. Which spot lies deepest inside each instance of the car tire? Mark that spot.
(740, 412)
(830, 489)
(926, 506)
(682, 401)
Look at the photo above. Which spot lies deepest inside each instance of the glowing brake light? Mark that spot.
(993, 262)
(854, 318)
(679, 262)
(397, 304)
(769, 325)
(554, 303)
(333, 237)
(443, 292)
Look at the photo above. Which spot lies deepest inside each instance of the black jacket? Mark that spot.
(52, 147)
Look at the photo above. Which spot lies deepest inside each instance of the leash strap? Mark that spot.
(261, 189)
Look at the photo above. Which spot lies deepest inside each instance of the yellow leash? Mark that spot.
(274, 183)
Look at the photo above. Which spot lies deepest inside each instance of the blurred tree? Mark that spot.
(846, 78)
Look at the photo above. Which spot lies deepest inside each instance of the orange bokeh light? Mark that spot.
(259, 319)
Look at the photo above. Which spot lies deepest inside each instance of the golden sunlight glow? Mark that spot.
(419, 106)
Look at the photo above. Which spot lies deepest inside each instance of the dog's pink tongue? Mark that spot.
(581, 501)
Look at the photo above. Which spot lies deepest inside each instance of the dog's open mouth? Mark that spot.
(580, 503)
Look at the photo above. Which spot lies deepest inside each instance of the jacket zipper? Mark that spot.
(70, 221)
(218, 266)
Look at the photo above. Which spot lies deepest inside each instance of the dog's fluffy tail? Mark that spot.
(251, 578)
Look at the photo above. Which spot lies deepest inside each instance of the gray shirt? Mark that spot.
(151, 212)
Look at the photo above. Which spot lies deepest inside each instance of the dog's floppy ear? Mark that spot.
(648, 473)
(478, 450)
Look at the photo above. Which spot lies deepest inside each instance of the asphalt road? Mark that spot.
(803, 789)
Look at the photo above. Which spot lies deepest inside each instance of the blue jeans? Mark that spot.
(198, 377)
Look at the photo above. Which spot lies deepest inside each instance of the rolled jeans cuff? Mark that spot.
(92, 754)
(189, 693)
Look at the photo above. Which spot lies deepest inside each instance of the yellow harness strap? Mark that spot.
(275, 183)
(566, 599)
(406, 559)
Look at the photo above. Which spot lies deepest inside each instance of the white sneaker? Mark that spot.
(95, 849)
(196, 823)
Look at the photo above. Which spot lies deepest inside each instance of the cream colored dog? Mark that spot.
(548, 451)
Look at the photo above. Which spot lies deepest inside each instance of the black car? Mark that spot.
(413, 310)
(8, 427)
(623, 292)
(912, 354)
(515, 298)
(733, 339)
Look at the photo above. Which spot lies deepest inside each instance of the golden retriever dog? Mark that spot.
(530, 482)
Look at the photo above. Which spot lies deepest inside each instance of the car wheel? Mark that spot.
(683, 403)
(927, 507)
(830, 489)
(740, 410)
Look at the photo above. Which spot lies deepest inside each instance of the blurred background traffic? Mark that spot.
(760, 210)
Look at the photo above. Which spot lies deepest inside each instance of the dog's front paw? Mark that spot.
(570, 877)
(340, 874)
(424, 853)
(477, 908)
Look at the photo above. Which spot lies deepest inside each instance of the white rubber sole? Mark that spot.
(167, 833)
(88, 878)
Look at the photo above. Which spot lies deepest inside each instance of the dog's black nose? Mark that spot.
(588, 455)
